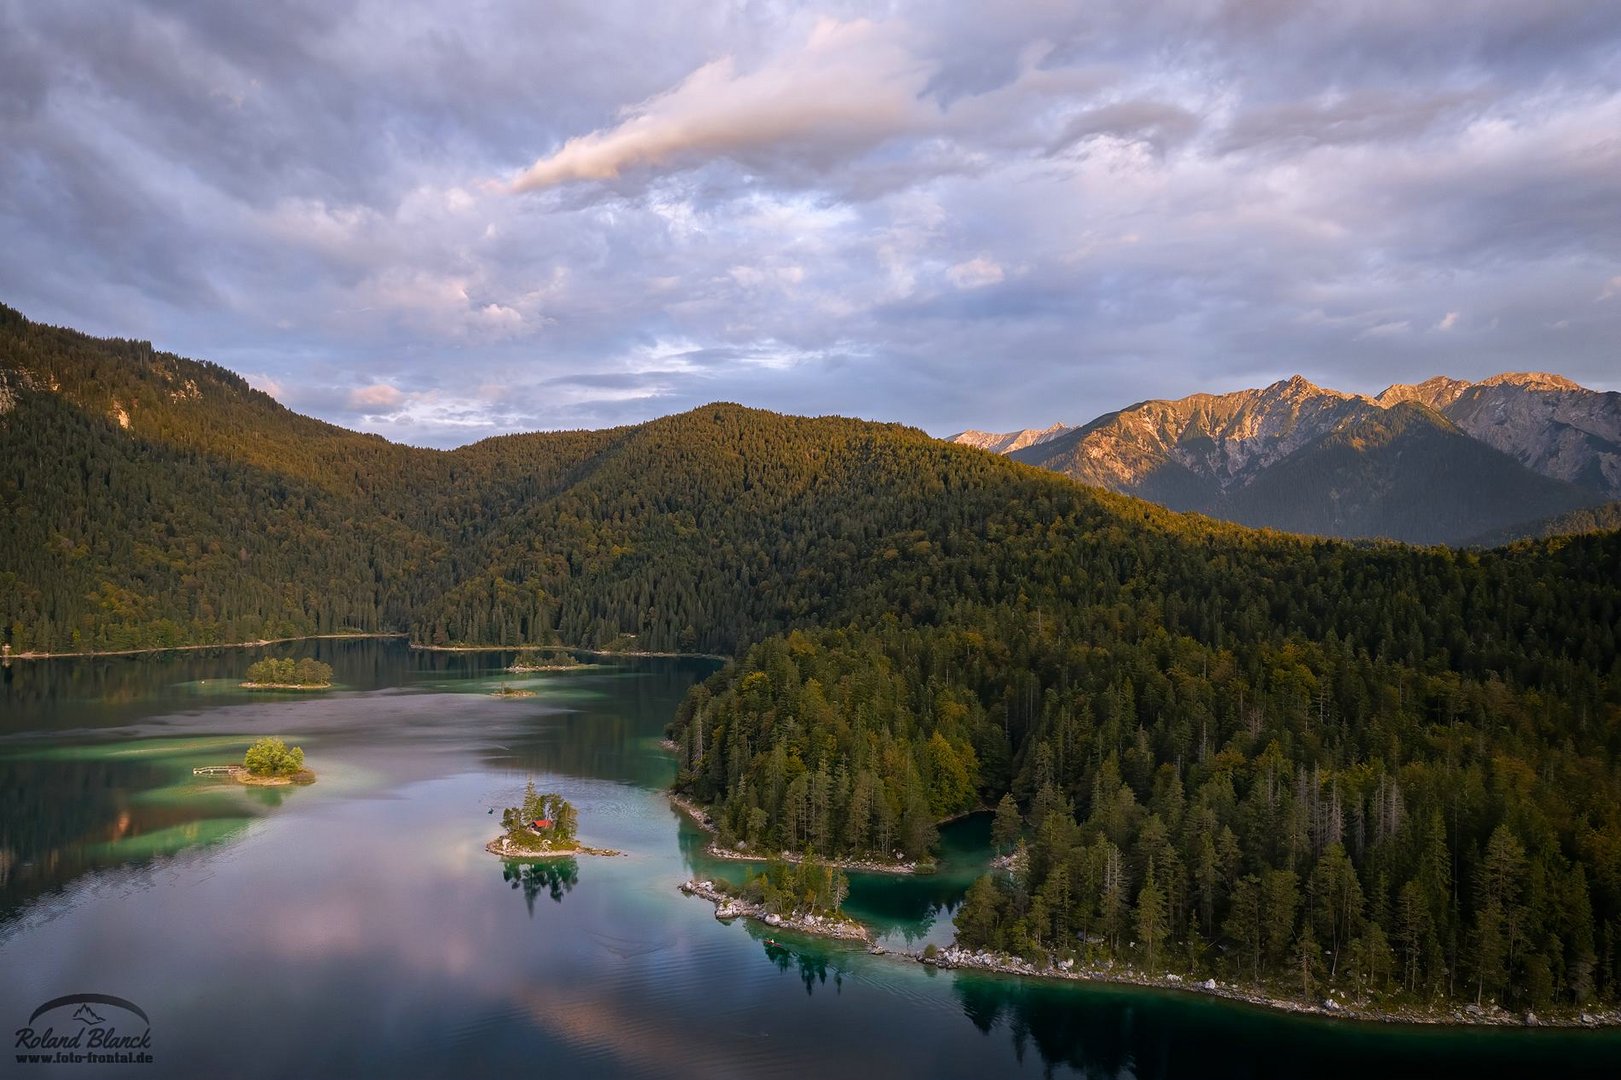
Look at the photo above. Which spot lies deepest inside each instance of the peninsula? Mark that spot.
(739, 850)
(806, 895)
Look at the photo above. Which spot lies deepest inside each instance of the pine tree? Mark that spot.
(1150, 917)
(1006, 826)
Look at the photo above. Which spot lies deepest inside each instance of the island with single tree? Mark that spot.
(269, 762)
(543, 827)
(285, 673)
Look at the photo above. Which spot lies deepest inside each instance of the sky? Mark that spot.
(444, 221)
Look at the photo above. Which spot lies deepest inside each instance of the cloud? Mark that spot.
(375, 397)
(975, 273)
(811, 210)
(265, 384)
(1158, 123)
(1387, 329)
(754, 277)
(1374, 115)
(500, 317)
(849, 87)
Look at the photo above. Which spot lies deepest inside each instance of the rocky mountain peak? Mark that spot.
(1532, 380)
(1548, 423)
(1437, 392)
(1008, 442)
(1296, 387)
(1207, 452)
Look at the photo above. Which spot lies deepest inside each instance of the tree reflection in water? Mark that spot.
(1100, 1038)
(551, 876)
(812, 965)
(1100, 1031)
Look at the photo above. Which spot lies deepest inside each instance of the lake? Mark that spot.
(357, 927)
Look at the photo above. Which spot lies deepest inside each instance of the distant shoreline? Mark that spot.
(262, 642)
(259, 644)
(572, 649)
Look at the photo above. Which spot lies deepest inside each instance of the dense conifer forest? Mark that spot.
(1303, 763)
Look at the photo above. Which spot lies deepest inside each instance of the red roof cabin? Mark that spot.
(543, 823)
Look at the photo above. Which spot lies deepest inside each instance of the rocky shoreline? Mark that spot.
(285, 686)
(502, 847)
(1001, 963)
(700, 817)
(1013, 862)
(240, 775)
(729, 907)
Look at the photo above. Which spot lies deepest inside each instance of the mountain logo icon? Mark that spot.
(112, 1037)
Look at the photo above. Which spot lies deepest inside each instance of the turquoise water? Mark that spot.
(356, 927)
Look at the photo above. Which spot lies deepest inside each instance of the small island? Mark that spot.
(530, 661)
(512, 692)
(270, 762)
(285, 673)
(542, 828)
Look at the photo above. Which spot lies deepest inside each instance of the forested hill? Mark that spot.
(154, 500)
(1205, 726)
(150, 499)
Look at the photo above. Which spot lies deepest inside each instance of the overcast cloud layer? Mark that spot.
(446, 221)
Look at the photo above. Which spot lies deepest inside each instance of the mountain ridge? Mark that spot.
(1560, 447)
(1011, 441)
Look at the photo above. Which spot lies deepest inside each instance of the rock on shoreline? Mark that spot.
(1001, 963)
(502, 847)
(286, 686)
(240, 775)
(728, 907)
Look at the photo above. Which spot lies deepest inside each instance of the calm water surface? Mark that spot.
(357, 928)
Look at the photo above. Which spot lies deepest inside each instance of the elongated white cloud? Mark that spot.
(376, 396)
(851, 86)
